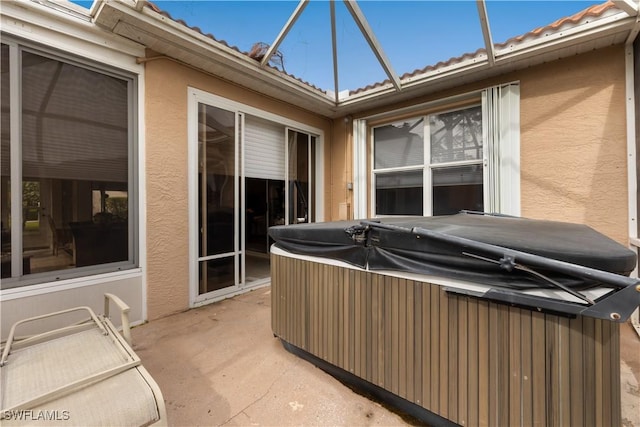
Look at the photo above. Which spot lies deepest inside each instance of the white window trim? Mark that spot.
(501, 133)
(15, 120)
(360, 169)
(72, 283)
(120, 64)
(632, 172)
(42, 27)
(505, 110)
(427, 175)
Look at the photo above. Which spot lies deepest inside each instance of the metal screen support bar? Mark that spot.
(368, 34)
(616, 306)
(334, 48)
(486, 31)
(283, 33)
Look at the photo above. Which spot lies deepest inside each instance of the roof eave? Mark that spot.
(187, 45)
(608, 31)
(168, 37)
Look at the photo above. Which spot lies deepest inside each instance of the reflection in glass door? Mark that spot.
(300, 173)
(278, 189)
(218, 256)
(264, 207)
(252, 173)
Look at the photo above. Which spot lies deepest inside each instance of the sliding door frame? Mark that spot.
(196, 97)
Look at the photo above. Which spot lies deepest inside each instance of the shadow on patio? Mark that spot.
(221, 365)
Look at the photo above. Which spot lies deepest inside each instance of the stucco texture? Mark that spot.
(167, 207)
(573, 142)
(573, 154)
(166, 98)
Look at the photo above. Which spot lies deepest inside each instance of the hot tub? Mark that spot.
(465, 319)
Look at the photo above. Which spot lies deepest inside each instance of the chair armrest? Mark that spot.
(10, 339)
(124, 314)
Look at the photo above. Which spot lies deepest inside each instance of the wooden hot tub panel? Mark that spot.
(468, 360)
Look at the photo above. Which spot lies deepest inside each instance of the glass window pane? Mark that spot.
(399, 193)
(399, 144)
(5, 164)
(216, 145)
(75, 159)
(456, 136)
(457, 188)
(216, 274)
(298, 177)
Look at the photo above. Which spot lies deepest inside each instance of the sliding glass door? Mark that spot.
(252, 173)
(218, 255)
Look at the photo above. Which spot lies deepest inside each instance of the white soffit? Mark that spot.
(66, 28)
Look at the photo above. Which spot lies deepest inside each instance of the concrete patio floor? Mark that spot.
(220, 365)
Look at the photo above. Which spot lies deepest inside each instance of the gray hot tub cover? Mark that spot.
(511, 254)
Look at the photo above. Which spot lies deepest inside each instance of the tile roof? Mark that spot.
(250, 54)
(594, 11)
(581, 17)
(156, 9)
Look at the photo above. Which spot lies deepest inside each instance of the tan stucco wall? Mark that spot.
(573, 154)
(341, 171)
(573, 140)
(167, 240)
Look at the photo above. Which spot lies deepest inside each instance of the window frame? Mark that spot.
(195, 97)
(132, 78)
(501, 139)
(427, 166)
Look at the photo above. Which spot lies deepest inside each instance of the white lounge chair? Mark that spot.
(83, 374)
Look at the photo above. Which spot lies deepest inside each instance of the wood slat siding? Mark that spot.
(468, 360)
